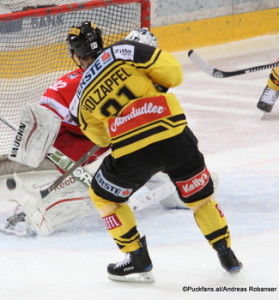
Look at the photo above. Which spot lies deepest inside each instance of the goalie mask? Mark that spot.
(143, 36)
(85, 40)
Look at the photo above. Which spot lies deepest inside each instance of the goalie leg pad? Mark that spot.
(63, 211)
(36, 215)
(32, 206)
(69, 201)
(66, 203)
(169, 196)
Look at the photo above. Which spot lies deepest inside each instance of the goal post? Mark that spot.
(33, 50)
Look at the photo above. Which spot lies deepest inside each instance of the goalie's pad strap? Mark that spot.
(37, 131)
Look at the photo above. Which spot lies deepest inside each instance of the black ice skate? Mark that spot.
(227, 258)
(267, 99)
(136, 267)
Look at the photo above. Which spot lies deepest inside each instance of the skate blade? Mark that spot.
(236, 270)
(145, 277)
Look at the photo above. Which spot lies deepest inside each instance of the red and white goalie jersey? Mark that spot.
(70, 140)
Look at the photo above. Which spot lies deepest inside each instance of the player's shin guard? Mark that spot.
(120, 222)
(211, 220)
(214, 227)
(122, 227)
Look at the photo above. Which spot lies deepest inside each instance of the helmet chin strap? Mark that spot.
(75, 61)
(79, 63)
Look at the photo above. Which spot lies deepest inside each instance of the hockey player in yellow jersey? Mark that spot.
(270, 93)
(122, 101)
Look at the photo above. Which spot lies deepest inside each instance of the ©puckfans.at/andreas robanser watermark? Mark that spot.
(236, 289)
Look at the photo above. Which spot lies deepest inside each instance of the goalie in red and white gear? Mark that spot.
(70, 202)
(58, 97)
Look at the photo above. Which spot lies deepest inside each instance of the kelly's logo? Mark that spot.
(194, 184)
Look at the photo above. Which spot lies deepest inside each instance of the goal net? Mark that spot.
(33, 50)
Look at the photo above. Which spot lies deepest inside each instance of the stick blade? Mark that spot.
(199, 62)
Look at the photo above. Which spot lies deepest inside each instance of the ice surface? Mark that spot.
(240, 146)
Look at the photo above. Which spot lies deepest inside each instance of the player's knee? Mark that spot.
(195, 206)
(104, 206)
(274, 79)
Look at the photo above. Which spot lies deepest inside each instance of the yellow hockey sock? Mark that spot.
(120, 222)
(121, 225)
(273, 80)
(212, 223)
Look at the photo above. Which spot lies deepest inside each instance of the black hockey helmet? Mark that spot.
(85, 39)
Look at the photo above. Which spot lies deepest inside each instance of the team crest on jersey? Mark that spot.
(72, 76)
(112, 188)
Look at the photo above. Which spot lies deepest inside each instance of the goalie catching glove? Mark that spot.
(37, 131)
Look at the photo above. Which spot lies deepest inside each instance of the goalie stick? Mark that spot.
(68, 171)
(5, 121)
(210, 70)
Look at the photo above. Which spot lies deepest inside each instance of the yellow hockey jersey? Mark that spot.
(118, 104)
(273, 79)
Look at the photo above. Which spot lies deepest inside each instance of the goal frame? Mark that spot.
(6, 165)
(54, 10)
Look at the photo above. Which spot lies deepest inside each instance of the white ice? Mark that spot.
(238, 144)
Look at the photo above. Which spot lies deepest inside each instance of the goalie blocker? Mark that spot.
(37, 131)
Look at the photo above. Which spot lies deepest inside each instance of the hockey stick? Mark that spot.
(68, 172)
(204, 66)
(5, 121)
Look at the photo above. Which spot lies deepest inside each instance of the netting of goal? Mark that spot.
(33, 50)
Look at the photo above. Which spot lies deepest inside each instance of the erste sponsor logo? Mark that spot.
(111, 187)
